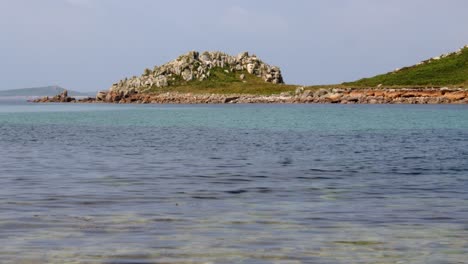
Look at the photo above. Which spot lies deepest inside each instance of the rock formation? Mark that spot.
(304, 95)
(194, 66)
(60, 98)
(300, 95)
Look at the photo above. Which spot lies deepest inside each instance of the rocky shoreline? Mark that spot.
(301, 96)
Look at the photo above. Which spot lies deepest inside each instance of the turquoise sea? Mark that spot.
(134, 184)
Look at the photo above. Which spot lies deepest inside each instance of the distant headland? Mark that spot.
(39, 91)
(216, 77)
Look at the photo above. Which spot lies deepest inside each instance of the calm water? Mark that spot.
(139, 184)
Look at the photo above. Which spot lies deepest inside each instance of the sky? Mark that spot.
(87, 45)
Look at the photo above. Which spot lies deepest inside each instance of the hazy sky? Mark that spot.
(87, 45)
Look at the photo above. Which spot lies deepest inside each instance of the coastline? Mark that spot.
(300, 96)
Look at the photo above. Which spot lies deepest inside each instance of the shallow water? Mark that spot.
(233, 183)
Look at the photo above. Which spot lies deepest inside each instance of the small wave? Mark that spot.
(236, 191)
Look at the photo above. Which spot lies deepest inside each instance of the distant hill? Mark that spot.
(40, 91)
(447, 69)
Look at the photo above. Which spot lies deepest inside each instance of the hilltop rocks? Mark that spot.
(195, 66)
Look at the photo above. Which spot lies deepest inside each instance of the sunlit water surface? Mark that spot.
(123, 184)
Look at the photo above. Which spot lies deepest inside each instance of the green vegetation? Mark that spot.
(451, 70)
(222, 82)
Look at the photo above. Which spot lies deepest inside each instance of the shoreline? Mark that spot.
(300, 96)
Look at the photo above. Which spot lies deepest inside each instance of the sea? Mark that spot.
(312, 183)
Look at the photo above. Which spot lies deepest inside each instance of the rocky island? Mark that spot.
(216, 77)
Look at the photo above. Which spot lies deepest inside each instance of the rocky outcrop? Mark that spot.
(62, 98)
(303, 95)
(386, 96)
(194, 66)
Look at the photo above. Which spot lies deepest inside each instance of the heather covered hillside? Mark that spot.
(446, 70)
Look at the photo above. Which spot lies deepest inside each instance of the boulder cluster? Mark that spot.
(301, 95)
(195, 66)
(60, 98)
(63, 98)
(382, 96)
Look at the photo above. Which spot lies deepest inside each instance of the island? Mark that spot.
(39, 92)
(217, 77)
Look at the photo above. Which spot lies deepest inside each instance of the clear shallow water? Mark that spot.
(233, 183)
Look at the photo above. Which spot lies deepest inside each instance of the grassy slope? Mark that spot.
(221, 82)
(448, 71)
